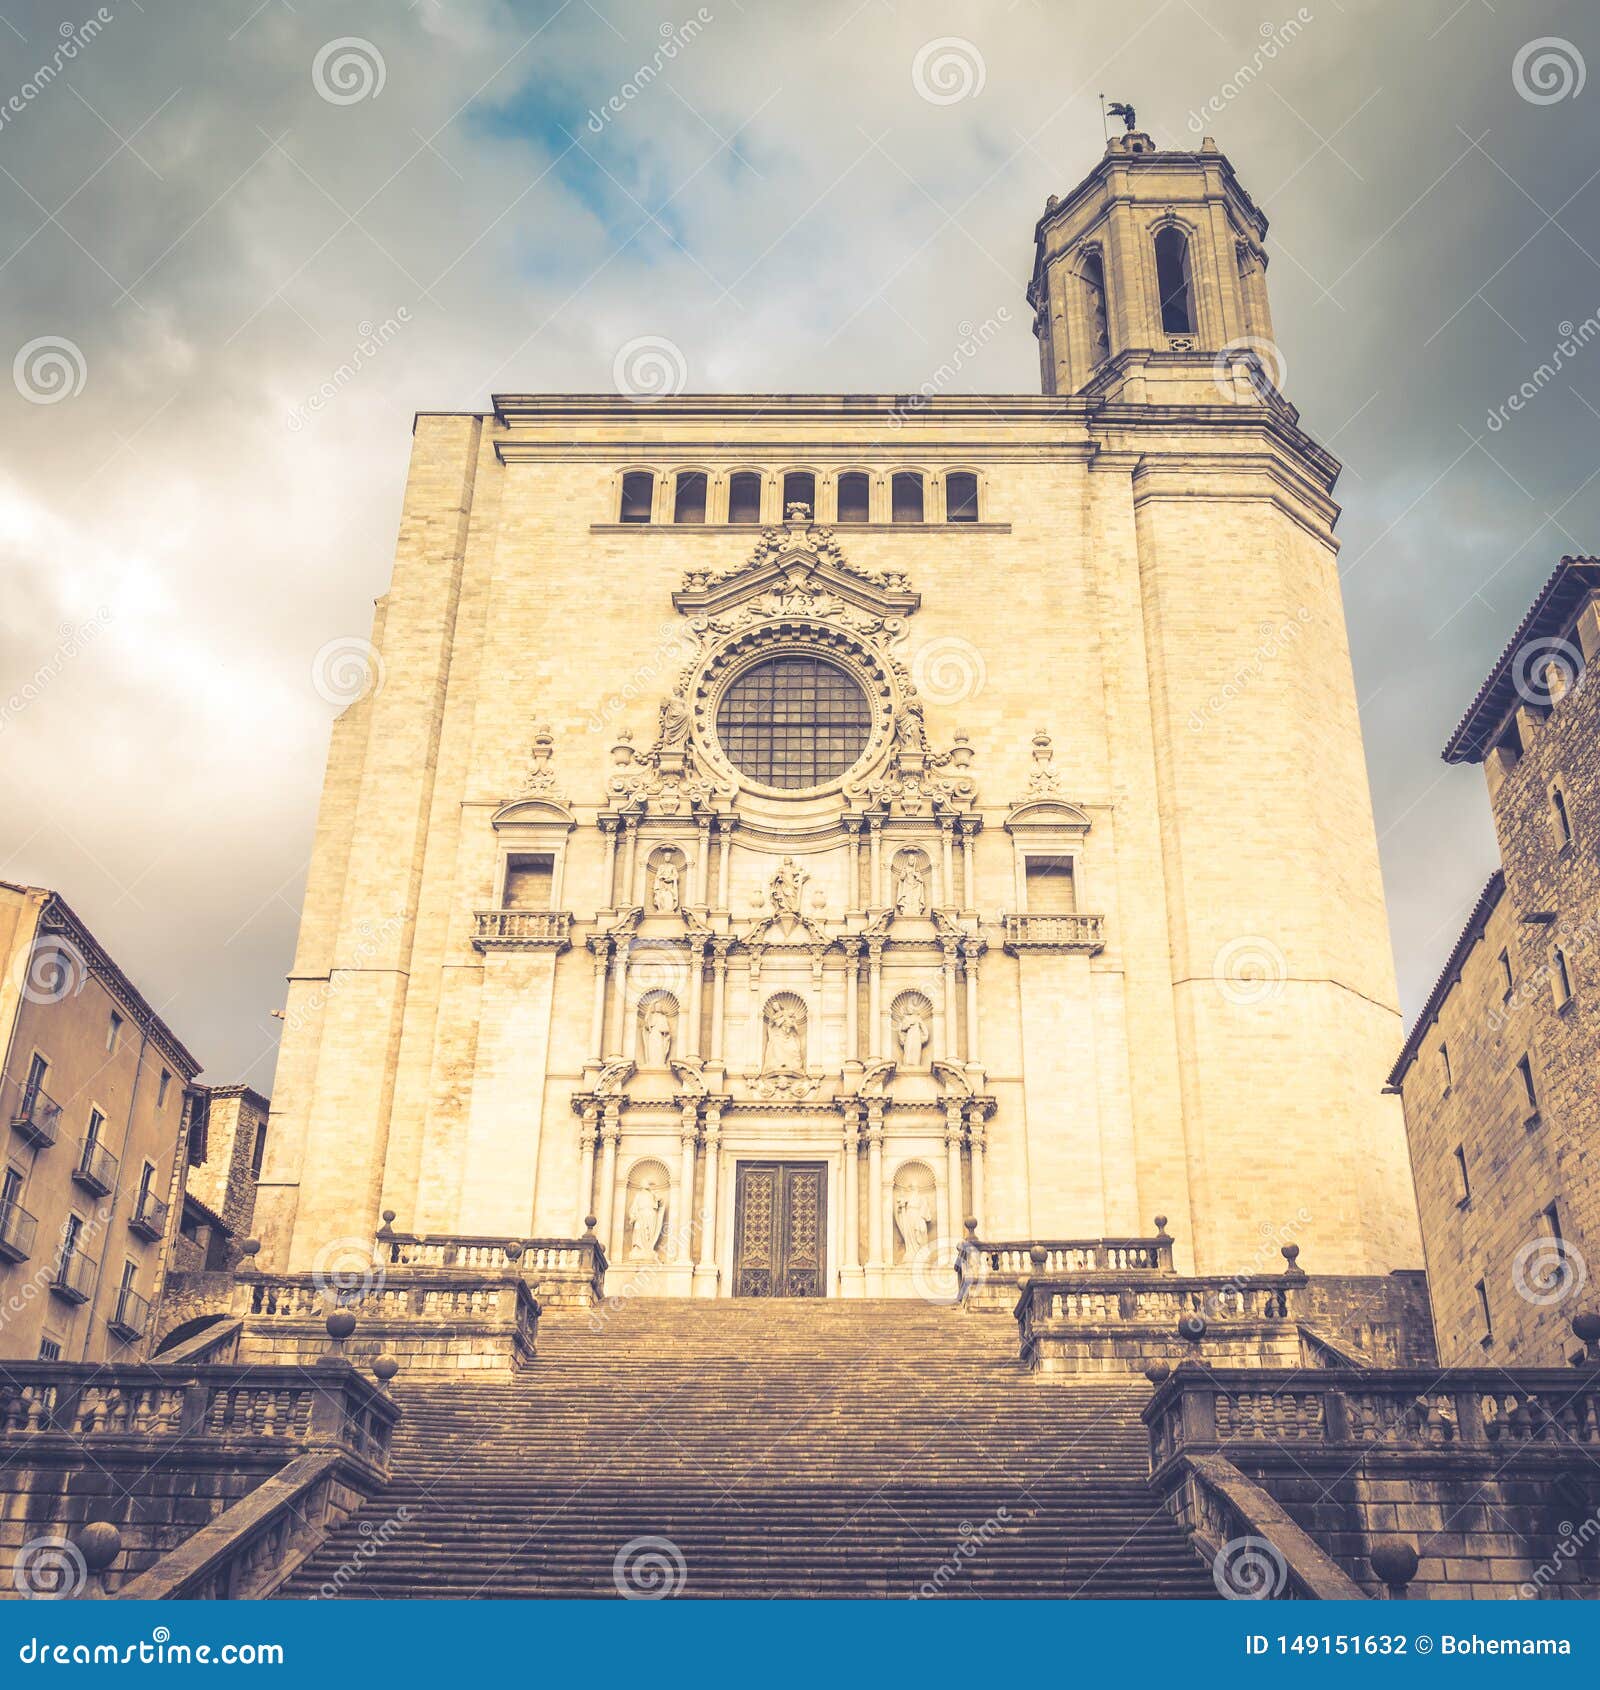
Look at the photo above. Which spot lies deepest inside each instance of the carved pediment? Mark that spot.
(534, 812)
(795, 572)
(1054, 813)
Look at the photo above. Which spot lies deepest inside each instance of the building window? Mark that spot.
(1483, 1312)
(33, 1086)
(638, 494)
(1444, 1067)
(49, 1350)
(689, 504)
(744, 496)
(1052, 889)
(1463, 1184)
(1094, 284)
(854, 497)
(1529, 1093)
(162, 1086)
(113, 1032)
(906, 500)
(1560, 821)
(530, 881)
(1552, 1219)
(1560, 977)
(1172, 279)
(258, 1152)
(794, 722)
(10, 1191)
(1507, 983)
(961, 497)
(799, 488)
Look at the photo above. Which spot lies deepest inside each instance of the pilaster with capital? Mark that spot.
(977, 1143)
(600, 949)
(720, 946)
(620, 1042)
(877, 1197)
(588, 1132)
(875, 998)
(950, 950)
(702, 864)
(713, 1176)
(972, 947)
(850, 1173)
(951, 1218)
(688, 1133)
(610, 1141)
(947, 834)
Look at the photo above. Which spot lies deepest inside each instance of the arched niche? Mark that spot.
(915, 1206)
(911, 1024)
(645, 1211)
(783, 1034)
(656, 1036)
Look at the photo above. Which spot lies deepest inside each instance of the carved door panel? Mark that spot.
(780, 1223)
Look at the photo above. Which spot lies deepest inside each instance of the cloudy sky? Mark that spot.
(211, 206)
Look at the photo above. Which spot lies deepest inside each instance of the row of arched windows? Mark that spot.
(752, 496)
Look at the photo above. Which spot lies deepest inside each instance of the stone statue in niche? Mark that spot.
(912, 1031)
(913, 1214)
(667, 893)
(910, 731)
(910, 888)
(656, 1030)
(785, 1051)
(646, 1215)
(672, 733)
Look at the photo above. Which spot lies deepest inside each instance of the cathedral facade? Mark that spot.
(782, 827)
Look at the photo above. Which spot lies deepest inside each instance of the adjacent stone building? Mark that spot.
(93, 1088)
(782, 826)
(1498, 1075)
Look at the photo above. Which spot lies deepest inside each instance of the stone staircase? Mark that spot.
(760, 1449)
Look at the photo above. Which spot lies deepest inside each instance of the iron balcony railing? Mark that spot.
(131, 1315)
(37, 1117)
(149, 1218)
(74, 1276)
(17, 1230)
(97, 1167)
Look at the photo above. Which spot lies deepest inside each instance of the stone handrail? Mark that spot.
(251, 1549)
(1152, 1299)
(544, 1262)
(334, 1407)
(513, 929)
(217, 1343)
(1253, 1546)
(406, 1294)
(1199, 1411)
(1078, 1255)
(1055, 933)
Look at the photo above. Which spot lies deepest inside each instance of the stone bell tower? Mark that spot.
(1149, 280)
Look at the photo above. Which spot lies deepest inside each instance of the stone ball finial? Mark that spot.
(388, 1217)
(1587, 1327)
(1192, 1328)
(1291, 1258)
(1161, 1226)
(971, 1225)
(340, 1323)
(100, 1543)
(1395, 1562)
(384, 1369)
(514, 1250)
(1158, 1372)
(1038, 1255)
(590, 1222)
(251, 1248)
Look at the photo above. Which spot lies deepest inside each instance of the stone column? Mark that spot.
(621, 1044)
(708, 1200)
(688, 1131)
(852, 834)
(875, 1192)
(610, 1139)
(969, 885)
(975, 1149)
(971, 950)
(852, 998)
(725, 827)
(601, 949)
(851, 1179)
(875, 898)
(947, 830)
(947, 1030)
(702, 866)
(697, 971)
(875, 998)
(630, 852)
(587, 1134)
(719, 994)
(952, 1157)
(608, 874)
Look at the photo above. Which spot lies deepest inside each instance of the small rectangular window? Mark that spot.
(1507, 982)
(1529, 1092)
(97, 1123)
(1560, 977)
(1444, 1066)
(1552, 1219)
(1483, 1311)
(49, 1350)
(10, 1189)
(161, 1089)
(113, 1032)
(258, 1153)
(530, 881)
(1463, 1184)
(1560, 820)
(1052, 887)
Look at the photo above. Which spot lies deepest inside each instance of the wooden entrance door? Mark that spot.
(780, 1221)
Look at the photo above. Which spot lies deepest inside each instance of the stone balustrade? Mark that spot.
(522, 930)
(562, 1272)
(1073, 932)
(1077, 1255)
